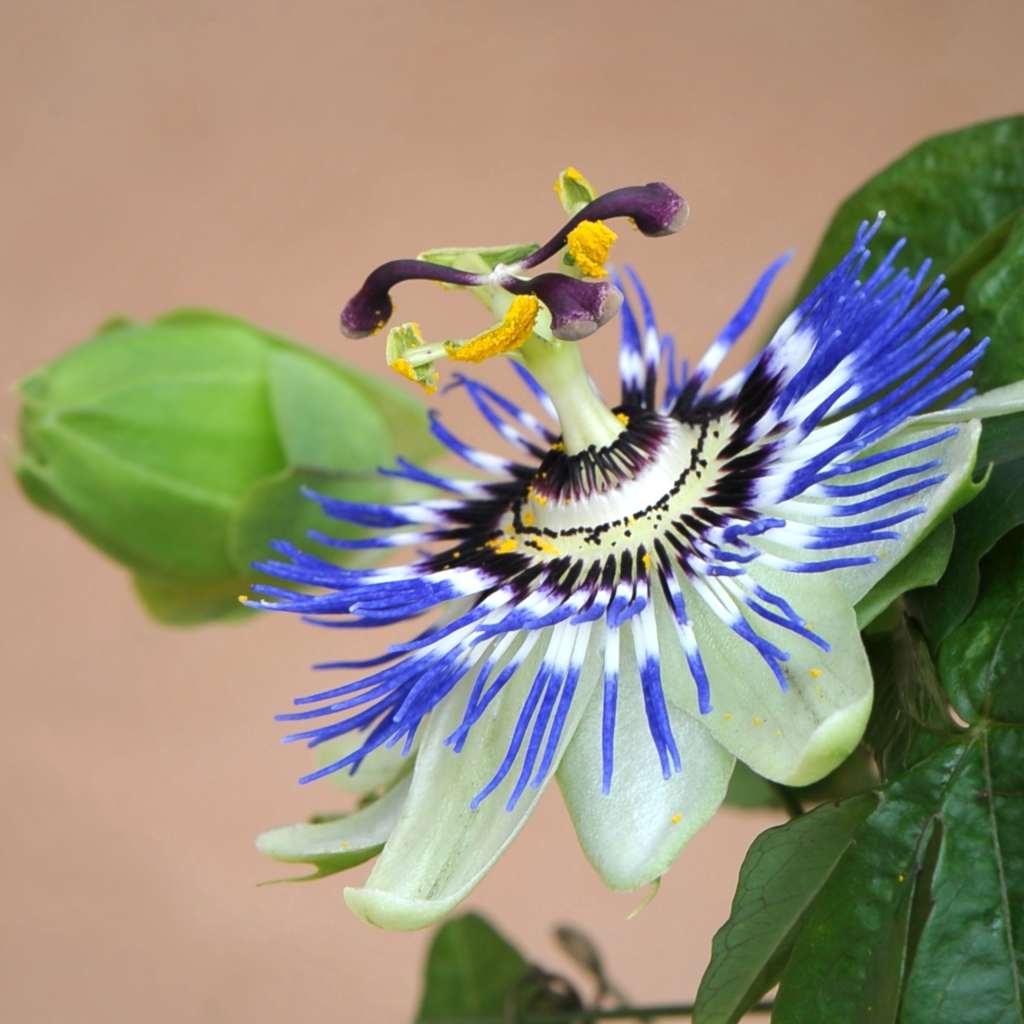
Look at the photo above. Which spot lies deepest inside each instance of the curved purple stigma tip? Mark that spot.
(578, 308)
(655, 208)
(371, 307)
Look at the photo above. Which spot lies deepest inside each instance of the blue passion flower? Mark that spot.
(656, 584)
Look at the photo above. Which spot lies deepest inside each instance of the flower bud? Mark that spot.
(180, 448)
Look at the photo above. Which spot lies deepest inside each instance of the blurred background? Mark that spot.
(259, 158)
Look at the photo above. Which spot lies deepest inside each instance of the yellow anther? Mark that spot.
(504, 337)
(646, 560)
(503, 545)
(676, 818)
(757, 720)
(406, 369)
(528, 518)
(815, 673)
(540, 499)
(242, 598)
(589, 244)
(623, 418)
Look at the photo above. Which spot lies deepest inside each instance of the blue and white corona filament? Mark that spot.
(652, 586)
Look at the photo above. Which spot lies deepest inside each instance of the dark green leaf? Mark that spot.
(995, 302)
(998, 509)
(781, 875)
(944, 196)
(472, 971)
(848, 958)
(923, 917)
(982, 661)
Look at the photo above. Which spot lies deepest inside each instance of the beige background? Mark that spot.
(259, 157)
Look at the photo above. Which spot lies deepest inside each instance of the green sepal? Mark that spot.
(178, 447)
(479, 259)
(336, 844)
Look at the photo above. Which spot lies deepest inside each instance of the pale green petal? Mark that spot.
(795, 736)
(957, 453)
(378, 769)
(440, 848)
(333, 846)
(633, 834)
(997, 402)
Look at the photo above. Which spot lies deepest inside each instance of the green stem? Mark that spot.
(794, 808)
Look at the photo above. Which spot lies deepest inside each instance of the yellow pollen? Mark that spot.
(547, 547)
(528, 518)
(815, 673)
(534, 496)
(727, 716)
(676, 818)
(558, 446)
(589, 244)
(344, 844)
(507, 336)
(778, 732)
(243, 598)
(503, 545)
(647, 560)
(757, 720)
(623, 418)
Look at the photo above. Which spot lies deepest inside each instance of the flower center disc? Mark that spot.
(656, 476)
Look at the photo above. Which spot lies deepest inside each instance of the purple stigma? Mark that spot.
(578, 308)
(655, 208)
(371, 307)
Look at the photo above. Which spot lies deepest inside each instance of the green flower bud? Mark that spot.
(180, 448)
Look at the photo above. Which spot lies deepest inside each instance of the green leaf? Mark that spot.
(994, 297)
(781, 875)
(982, 661)
(944, 196)
(848, 958)
(923, 916)
(998, 509)
(472, 970)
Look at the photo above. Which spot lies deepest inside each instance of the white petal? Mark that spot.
(957, 453)
(379, 768)
(997, 402)
(337, 845)
(441, 848)
(633, 834)
(795, 736)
